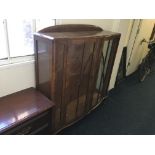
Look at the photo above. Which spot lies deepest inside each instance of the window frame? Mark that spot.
(19, 59)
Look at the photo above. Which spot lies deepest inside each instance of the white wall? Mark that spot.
(106, 24)
(124, 27)
(17, 77)
(140, 50)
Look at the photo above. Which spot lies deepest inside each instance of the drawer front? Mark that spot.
(36, 125)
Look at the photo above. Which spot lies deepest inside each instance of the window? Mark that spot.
(16, 37)
(3, 51)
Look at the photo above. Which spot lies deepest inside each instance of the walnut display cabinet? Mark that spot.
(73, 68)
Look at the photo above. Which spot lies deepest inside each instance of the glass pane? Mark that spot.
(105, 47)
(107, 56)
(43, 68)
(101, 74)
(103, 67)
(43, 23)
(20, 35)
(3, 51)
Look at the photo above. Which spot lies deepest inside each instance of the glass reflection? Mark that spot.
(26, 113)
(5, 123)
(103, 66)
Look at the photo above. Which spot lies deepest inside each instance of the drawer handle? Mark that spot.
(25, 131)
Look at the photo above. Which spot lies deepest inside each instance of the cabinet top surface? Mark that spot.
(74, 31)
(20, 106)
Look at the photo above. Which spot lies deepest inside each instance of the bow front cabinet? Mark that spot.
(73, 66)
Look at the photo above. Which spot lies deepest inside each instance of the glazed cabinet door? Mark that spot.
(75, 74)
(81, 60)
(99, 87)
(106, 65)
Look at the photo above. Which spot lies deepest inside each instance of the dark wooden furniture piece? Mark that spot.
(121, 73)
(73, 68)
(25, 112)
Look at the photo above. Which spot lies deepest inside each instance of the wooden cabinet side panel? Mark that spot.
(43, 65)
